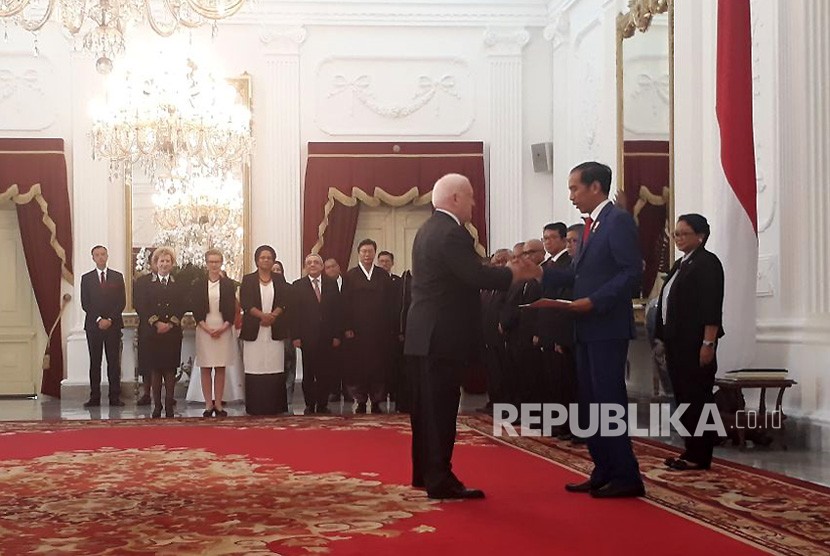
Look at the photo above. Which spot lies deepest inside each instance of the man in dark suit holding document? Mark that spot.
(607, 268)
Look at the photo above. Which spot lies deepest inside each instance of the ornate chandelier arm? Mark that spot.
(201, 8)
(33, 26)
(15, 8)
(151, 19)
(182, 19)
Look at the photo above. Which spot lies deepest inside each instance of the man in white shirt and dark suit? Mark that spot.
(103, 299)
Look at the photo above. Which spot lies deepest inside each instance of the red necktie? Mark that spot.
(586, 233)
(316, 283)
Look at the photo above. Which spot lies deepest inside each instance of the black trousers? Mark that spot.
(99, 341)
(436, 391)
(318, 375)
(495, 358)
(692, 384)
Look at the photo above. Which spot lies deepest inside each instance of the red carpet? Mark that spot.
(303, 486)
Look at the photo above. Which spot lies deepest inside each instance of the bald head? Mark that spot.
(454, 194)
(535, 250)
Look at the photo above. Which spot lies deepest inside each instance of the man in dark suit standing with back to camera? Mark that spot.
(443, 331)
(103, 299)
(607, 268)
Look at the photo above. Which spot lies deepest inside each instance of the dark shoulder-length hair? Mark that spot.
(698, 224)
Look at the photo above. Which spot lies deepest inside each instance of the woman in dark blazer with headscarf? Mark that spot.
(264, 297)
(689, 322)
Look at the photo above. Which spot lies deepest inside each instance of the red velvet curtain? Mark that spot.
(646, 164)
(340, 233)
(26, 164)
(393, 167)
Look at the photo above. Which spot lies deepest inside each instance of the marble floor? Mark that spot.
(796, 462)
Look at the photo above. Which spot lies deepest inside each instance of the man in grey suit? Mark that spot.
(443, 331)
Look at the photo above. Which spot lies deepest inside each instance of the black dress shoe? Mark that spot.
(156, 413)
(612, 490)
(361, 408)
(684, 465)
(143, 400)
(116, 403)
(208, 412)
(457, 494)
(309, 410)
(324, 409)
(220, 412)
(168, 412)
(92, 403)
(587, 486)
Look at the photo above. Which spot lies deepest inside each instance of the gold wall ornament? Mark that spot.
(645, 110)
(102, 24)
(639, 16)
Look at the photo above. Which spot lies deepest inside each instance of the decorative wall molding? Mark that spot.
(394, 96)
(647, 96)
(558, 30)
(502, 41)
(766, 283)
(285, 39)
(400, 12)
(764, 105)
(794, 331)
(29, 94)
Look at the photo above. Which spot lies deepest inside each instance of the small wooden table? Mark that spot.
(762, 417)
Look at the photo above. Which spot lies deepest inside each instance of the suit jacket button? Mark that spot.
(576, 277)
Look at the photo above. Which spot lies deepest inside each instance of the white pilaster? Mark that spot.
(91, 189)
(504, 50)
(804, 70)
(277, 198)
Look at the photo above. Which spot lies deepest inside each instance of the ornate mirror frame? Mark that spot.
(638, 18)
(243, 85)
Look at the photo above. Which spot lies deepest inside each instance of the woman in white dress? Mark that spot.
(264, 296)
(214, 307)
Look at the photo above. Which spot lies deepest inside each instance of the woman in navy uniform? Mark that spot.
(161, 305)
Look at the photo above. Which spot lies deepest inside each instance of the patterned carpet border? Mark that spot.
(777, 513)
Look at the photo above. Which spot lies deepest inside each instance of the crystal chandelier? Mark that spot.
(102, 24)
(168, 113)
(200, 212)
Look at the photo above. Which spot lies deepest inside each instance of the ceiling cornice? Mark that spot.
(439, 13)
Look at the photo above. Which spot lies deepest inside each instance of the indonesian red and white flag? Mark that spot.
(735, 221)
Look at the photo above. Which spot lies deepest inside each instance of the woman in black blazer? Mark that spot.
(213, 300)
(689, 321)
(264, 297)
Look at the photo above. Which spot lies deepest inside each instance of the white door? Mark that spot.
(21, 343)
(393, 229)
